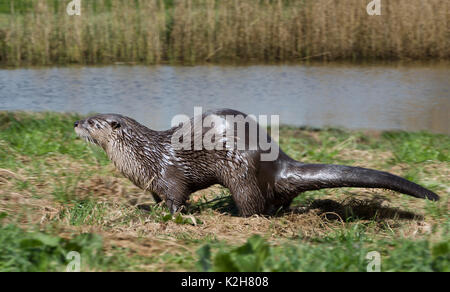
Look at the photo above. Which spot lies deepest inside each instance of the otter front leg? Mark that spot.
(175, 201)
(156, 198)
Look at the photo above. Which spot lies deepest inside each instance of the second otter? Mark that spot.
(152, 162)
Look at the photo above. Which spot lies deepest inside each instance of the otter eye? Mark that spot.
(115, 124)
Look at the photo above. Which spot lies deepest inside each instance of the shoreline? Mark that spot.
(364, 131)
(439, 63)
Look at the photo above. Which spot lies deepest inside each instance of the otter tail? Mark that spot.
(307, 177)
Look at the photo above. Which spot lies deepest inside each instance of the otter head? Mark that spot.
(101, 129)
(126, 142)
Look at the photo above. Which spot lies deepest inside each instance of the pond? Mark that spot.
(377, 97)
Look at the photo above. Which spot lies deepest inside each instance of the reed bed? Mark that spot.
(198, 31)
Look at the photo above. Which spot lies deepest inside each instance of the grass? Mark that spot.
(58, 194)
(38, 251)
(40, 32)
(341, 251)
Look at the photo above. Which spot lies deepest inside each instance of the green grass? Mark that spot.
(417, 147)
(344, 250)
(341, 251)
(36, 251)
(48, 134)
(19, 6)
(58, 194)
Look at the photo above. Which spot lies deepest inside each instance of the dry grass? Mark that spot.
(124, 221)
(224, 31)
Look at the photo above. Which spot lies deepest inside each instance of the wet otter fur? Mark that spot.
(151, 161)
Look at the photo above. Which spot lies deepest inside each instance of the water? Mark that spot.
(356, 97)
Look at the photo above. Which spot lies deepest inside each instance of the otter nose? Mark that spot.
(76, 124)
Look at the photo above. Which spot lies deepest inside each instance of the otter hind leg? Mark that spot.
(248, 198)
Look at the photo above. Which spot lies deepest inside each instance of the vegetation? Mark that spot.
(58, 194)
(40, 32)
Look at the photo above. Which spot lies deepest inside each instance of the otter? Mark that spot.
(155, 162)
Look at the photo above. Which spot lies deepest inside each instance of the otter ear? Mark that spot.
(114, 124)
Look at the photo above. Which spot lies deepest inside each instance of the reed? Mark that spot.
(197, 31)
